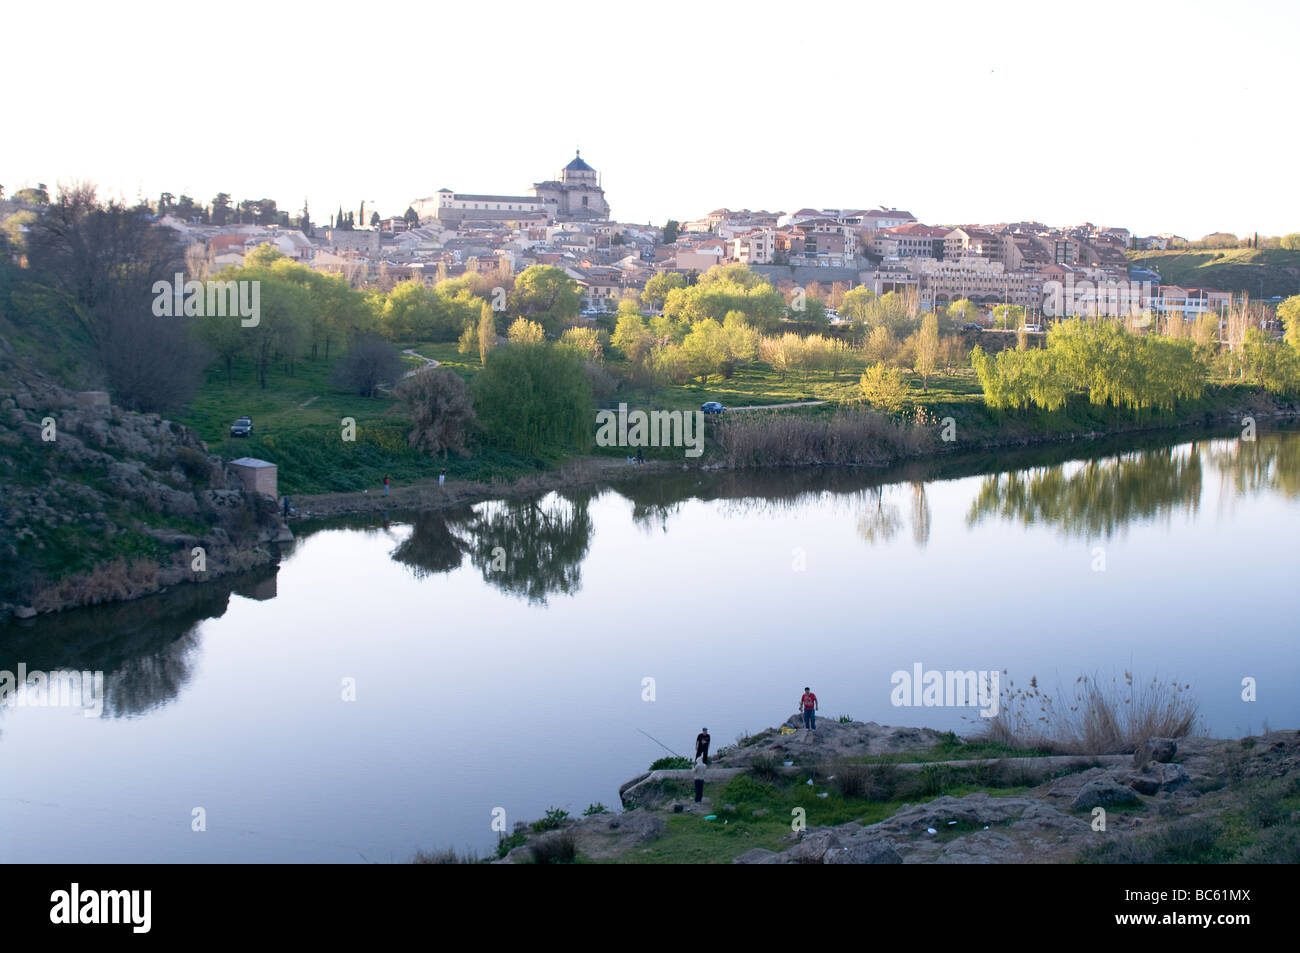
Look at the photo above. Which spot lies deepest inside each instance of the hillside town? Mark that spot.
(566, 221)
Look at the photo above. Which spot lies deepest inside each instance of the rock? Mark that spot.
(729, 807)
(759, 856)
(1103, 792)
(812, 847)
(1143, 783)
(982, 847)
(759, 812)
(24, 612)
(864, 851)
(1155, 749)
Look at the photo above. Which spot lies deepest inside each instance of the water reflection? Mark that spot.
(1103, 496)
(145, 648)
(1098, 497)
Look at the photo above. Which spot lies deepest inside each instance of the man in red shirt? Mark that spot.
(809, 705)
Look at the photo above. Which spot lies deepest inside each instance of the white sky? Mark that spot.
(1158, 116)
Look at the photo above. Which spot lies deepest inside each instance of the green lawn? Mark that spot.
(690, 839)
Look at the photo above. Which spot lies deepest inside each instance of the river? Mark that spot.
(399, 679)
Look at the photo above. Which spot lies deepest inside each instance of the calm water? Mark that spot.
(522, 687)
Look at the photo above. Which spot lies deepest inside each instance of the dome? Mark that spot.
(577, 165)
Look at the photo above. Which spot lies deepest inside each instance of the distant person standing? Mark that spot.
(702, 745)
(697, 773)
(442, 478)
(809, 705)
(385, 484)
(286, 507)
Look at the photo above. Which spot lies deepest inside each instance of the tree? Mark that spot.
(782, 353)
(411, 218)
(369, 362)
(705, 349)
(547, 295)
(881, 346)
(374, 219)
(535, 399)
(884, 387)
(632, 337)
(467, 343)
(670, 231)
(487, 332)
(99, 264)
(442, 413)
(658, 286)
(1288, 313)
(927, 350)
(524, 333)
(1291, 241)
(588, 342)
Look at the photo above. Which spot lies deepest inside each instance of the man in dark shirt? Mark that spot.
(702, 745)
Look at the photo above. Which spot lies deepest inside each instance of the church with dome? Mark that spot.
(574, 195)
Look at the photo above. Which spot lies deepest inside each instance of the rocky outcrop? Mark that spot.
(99, 504)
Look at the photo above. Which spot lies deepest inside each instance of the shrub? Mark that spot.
(446, 856)
(554, 849)
(764, 768)
(1098, 718)
(555, 818)
(596, 808)
(442, 413)
(665, 764)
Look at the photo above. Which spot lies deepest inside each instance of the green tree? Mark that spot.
(884, 387)
(927, 350)
(658, 286)
(487, 332)
(547, 295)
(1288, 313)
(534, 400)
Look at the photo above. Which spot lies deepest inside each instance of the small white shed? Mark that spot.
(258, 476)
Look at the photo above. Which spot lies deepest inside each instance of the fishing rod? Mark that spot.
(662, 745)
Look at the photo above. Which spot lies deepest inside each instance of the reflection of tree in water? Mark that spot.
(878, 522)
(433, 546)
(146, 648)
(920, 515)
(1099, 497)
(543, 541)
(1269, 462)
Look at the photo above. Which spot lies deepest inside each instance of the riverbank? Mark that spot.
(854, 792)
(878, 444)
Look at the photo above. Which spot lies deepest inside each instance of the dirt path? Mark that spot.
(428, 362)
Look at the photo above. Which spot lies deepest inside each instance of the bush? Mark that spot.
(765, 768)
(596, 808)
(442, 413)
(665, 764)
(554, 849)
(555, 818)
(446, 856)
